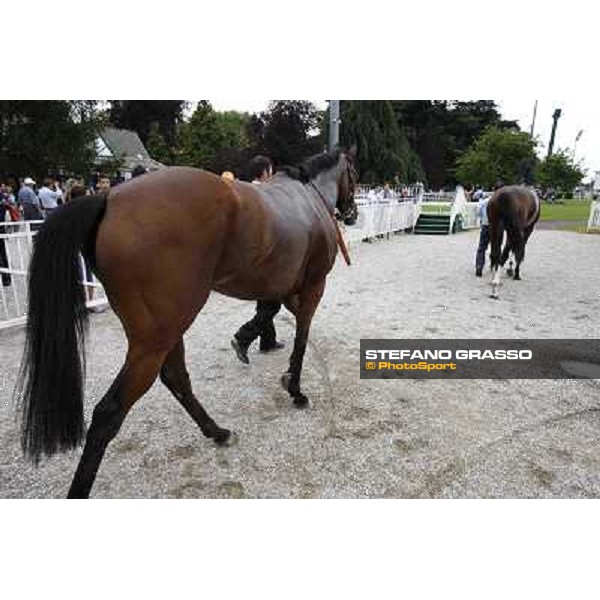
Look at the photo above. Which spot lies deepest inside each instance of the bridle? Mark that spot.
(339, 237)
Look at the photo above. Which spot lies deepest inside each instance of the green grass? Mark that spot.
(567, 210)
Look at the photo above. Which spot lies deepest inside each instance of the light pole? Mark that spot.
(577, 138)
(334, 124)
(533, 120)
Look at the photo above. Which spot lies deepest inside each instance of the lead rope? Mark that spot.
(338, 233)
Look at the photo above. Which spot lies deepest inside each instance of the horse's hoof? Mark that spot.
(285, 381)
(494, 297)
(517, 278)
(301, 401)
(225, 438)
(510, 272)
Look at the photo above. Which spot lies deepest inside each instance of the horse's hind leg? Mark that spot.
(519, 253)
(139, 371)
(506, 255)
(177, 380)
(304, 308)
(496, 235)
(526, 235)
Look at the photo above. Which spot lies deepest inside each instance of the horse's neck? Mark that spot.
(326, 183)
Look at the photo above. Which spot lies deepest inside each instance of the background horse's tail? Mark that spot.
(506, 212)
(51, 377)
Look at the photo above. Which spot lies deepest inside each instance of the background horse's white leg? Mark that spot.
(495, 281)
(511, 261)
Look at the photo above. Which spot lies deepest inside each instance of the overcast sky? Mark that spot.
(577, 114)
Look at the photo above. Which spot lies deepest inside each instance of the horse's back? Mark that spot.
(279, 237)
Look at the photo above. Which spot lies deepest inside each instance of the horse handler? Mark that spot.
(484, 236)
(261, 325)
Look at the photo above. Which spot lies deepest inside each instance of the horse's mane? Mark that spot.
(312, 166)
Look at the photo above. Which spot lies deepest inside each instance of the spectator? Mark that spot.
(138, 170)
(103, 184)
(4, 213)
(74, 189)
(29, 202)
(49, 198)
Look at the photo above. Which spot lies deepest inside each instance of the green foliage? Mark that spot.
(560, 172)
(497, 154)
(43, 136)
(233, 127)
(383, 150)
(440, 131)
(157, 146)
(212, 140)
(142, 116)
(287, 132)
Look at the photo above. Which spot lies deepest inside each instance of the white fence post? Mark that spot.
(594, 219)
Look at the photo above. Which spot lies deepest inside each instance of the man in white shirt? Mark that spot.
(48, 197)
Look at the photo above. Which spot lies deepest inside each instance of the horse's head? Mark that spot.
(347, 179)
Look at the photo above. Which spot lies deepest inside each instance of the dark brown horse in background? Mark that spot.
(160, 244)
(514, 209)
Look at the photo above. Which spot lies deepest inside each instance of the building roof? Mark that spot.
(126, 146)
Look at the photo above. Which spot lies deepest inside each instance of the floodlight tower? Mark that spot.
(555, 117)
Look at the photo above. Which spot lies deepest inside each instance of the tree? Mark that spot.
(288, 131)
(497, 154)
(157, 146)
(383, 150)
(43, 136)
(201, 138)
(559, 171)
(442, 130)
(216, 141)
(141, 115)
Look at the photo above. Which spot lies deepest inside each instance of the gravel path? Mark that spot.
(359, 438)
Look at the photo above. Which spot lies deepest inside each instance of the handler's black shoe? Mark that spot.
(478, 272)
(272, 347)
(241, 352)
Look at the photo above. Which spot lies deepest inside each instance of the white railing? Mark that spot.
(379, 216)
(17, 239)
(594, 220)
(382, 217)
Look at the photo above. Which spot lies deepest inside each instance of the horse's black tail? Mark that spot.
(51, 377)
(506, 215)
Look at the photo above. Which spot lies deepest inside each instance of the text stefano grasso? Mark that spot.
(499, 354)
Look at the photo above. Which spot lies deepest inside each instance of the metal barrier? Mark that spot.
(382, 217)
(470, 216)
(16, 245)
(379, 216)
(594, 220)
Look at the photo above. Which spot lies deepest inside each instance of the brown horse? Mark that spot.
(514, 209)
(160, 244)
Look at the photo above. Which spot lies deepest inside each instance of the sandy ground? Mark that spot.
(359, 438)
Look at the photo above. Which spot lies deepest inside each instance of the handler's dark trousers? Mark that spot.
(261, 325)
(484, 241)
